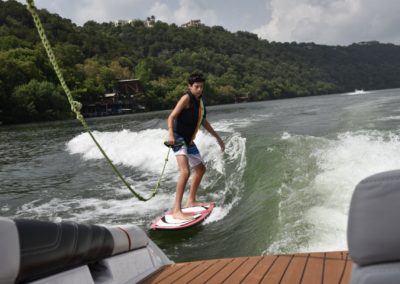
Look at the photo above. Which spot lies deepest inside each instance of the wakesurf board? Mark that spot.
(167, 222)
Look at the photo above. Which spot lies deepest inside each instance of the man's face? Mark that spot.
(196, 88)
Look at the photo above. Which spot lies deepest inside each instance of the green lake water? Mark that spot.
(283, 185)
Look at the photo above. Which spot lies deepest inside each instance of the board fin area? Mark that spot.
(199, 214)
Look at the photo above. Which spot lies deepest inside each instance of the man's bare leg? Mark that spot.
(199, 172)
(180, 187)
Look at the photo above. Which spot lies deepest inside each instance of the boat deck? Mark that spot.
(306, 268)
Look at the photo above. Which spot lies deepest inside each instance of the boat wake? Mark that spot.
(389, 118)
(314, 203)
(357, 92)
(140, 157)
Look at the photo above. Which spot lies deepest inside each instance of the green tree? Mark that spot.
(227, 94)
(68, 55)
(121, 73)
(12, 42)
(19, 66)
(37, 101)
(91, 56)
(106, 78)
(143, 72)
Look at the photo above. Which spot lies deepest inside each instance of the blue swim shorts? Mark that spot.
(190, 151)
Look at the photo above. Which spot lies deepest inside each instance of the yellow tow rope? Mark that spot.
(76, 106)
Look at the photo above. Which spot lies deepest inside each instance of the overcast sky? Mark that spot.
(332, 22)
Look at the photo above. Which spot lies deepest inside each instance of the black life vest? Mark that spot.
(189, 119)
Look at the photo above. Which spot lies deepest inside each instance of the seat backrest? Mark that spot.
(373, 232)
(32, 249)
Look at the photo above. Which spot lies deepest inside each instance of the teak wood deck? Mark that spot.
(304, 268)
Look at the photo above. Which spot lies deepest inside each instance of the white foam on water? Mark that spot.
(143, 149)
(219, 213)
(144, 153)
(230, 125)
(389, 118)
(320, 210)
(235, 157)
(5, 208)
(211, 151)
(354, 156)
(355, 94)
(285, 136)
(328, 232)
(84, 210)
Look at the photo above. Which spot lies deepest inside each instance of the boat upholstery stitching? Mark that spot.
(38, 251)
(89, 241)
(56, 243)
(75, 243)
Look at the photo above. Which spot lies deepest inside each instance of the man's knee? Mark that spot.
(185, 173)
(200, 169)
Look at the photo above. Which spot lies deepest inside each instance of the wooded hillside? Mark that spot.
(163, 56)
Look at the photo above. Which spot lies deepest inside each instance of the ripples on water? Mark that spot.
(283, 184)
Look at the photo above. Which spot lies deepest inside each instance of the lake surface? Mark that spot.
(283, 185)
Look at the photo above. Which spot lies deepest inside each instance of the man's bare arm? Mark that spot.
(209, 128)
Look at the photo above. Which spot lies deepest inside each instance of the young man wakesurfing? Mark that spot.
(183, 125)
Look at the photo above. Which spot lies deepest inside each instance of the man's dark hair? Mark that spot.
(196, 77)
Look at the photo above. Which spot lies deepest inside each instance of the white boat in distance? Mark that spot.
(359, 91)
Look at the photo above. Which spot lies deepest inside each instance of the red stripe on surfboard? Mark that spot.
(129, 238)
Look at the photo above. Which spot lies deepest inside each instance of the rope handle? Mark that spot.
(176, 145)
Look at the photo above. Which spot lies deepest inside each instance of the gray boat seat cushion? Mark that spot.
(9, 251)
(127, 237)
(32, 249)
(373, 232)
(387, 273)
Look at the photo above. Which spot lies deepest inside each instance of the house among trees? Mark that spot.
(149, 22)
(131, 87)
(372, 42)
(120, 23)
(129, 97)
(193, 23)
(242, 99)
